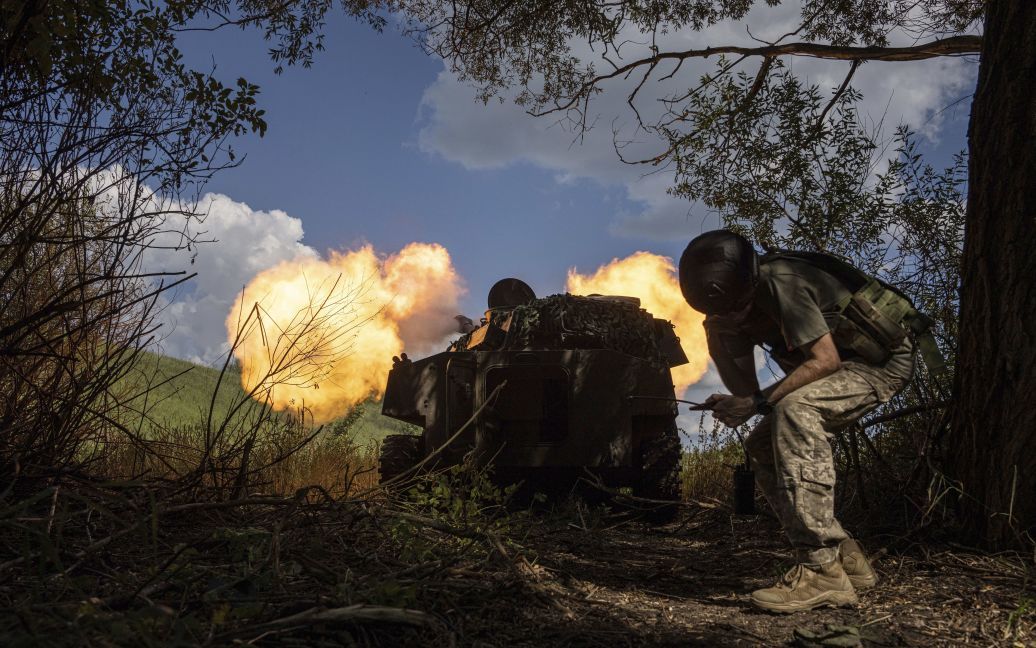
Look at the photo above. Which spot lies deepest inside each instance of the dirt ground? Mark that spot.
(687, 584)
(369, 573)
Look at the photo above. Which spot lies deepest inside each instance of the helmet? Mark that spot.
(510, 292)
(718, 272)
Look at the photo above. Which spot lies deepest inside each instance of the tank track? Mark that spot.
(399, 453)
(660, 472)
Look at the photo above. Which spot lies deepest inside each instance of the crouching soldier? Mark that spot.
(846, 344)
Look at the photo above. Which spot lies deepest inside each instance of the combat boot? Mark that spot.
(856, 565)
(806, 587)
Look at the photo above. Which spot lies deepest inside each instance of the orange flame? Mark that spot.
(320, 334)
(652, 278)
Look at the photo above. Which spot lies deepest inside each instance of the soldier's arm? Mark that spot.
(792, 302)
(738, 374)
(822, 360)
(734, 359)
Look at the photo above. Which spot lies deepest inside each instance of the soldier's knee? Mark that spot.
(797, 423)
(791, 403)
(784, 407)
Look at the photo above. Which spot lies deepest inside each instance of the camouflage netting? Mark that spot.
(574, 322)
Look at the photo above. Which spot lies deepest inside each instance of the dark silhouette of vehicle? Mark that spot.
(578, 386)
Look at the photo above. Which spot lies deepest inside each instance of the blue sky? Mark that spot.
(342, 154)
(377, 144)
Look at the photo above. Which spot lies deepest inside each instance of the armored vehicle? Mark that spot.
(546, 391)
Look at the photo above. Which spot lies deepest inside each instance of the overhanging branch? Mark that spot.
(952, 46)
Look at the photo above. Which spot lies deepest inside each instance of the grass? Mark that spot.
(167, 410)
(181, 394)
(708, 472)
(707, 463)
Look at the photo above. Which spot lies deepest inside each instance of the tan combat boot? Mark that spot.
(805, 588)
(856, 565)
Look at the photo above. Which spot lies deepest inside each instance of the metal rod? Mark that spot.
(694, 406)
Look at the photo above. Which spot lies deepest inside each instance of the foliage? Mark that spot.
(792, 170)
(537, 50)
(106, 139)
(102, 131)
(72, 316)
(462, 497)
(140, 564)
(776, 167)
(707, 466)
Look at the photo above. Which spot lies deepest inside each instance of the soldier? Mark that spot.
(843, 340)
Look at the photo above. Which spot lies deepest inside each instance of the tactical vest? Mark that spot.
(876, 317)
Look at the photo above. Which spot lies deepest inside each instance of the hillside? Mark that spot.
(181, 394)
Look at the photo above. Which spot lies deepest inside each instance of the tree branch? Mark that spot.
(953, 46)
(834, 99)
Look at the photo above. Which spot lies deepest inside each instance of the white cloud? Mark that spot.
(234, 243)
(496, 135)
(242, 242)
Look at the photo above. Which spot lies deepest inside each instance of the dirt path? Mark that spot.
(687, 584)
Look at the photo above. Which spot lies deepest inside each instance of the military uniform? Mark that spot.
(796, 303)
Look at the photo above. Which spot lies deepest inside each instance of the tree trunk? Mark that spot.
(992, 441)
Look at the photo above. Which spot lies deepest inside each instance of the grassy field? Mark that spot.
(181, 394)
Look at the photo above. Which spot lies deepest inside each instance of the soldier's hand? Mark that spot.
(732, 411)
(711, 401)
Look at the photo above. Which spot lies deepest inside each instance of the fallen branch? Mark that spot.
(359, 613)
(432, 524)
(598, 484)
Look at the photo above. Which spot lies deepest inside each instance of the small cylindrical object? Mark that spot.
(744, 490)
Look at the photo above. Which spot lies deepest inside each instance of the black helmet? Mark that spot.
(718, 272)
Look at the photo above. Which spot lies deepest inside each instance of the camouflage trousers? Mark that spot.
(790, 450)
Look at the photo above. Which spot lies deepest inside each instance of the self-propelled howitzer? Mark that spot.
(547, 391)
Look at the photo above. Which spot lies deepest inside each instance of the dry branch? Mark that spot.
(359, 613)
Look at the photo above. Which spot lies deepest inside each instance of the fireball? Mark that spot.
(652, 278)
(318, 335)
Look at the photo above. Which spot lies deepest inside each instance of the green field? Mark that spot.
(181, 392)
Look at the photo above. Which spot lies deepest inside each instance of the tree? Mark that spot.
(993, 435)
(106, 138)
(104, 135)
(532, 49)
(794, 170)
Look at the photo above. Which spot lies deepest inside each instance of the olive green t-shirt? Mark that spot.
(800, 299)
(791, 300)
(796, 303)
